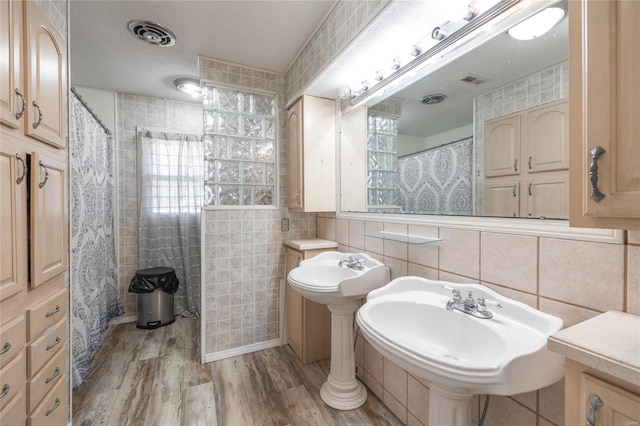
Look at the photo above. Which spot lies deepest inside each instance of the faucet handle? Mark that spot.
(454, 291)
(482, 304)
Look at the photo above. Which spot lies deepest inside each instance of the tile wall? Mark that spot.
(537, 89)
(342, 25)
(56, 11)
(243, 250)
(553, 275)
(132, 111)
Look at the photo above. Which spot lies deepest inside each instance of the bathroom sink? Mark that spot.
(458, 353)
(322, 280)
(339, 280)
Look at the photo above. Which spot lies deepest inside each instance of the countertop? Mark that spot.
(609, 342)
(310, 244)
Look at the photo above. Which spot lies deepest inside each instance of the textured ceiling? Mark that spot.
(261, 34)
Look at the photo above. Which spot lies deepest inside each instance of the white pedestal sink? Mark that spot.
(458, 354)
(327, 279)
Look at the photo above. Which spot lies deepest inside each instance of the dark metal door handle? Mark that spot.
(594, 403)
(25, 169)
(46, 175)
(37, 123)
(20, 113)
(596, 195)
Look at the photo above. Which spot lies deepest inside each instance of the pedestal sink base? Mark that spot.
(342, 390)
(448, 408)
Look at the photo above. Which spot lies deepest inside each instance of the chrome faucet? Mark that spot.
(352, 262)
(469, 306)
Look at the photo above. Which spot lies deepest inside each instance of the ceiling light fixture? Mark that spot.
(190, 86)
(537, 25)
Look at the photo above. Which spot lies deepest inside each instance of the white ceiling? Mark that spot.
(261, 34)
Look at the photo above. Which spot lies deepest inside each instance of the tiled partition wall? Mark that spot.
(132, 111)
(243, 250)
(56, 11)
(573, 280)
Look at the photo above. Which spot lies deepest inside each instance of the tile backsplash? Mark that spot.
(574, 280)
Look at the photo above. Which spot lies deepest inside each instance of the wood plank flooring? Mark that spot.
(154, 377)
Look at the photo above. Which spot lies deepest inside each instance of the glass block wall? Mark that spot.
(381, 157)
(240, 147)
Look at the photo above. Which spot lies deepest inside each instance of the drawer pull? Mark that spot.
(54, 344)
(594, 403)
(37, 123)
(5, 390)
(52, 313)
(56, 373)
(5, 348)
(56, 404)
(20, 113)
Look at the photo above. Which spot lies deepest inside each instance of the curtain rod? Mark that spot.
(436, 147)
(93, 114)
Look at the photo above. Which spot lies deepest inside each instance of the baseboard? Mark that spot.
(215, 356)
(123, 319)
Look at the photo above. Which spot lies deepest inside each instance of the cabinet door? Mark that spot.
(46, 78)
(619, 407)
(353, 159)
(502, 147)
(548, 138)
(604, 65)
(294, 156)
(48, 219)
(548, 196)
(12, 102)
(502, 198)
(295, 302)
(12, 217)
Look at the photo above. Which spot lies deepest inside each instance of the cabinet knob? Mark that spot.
(594, 403)
(596, 195)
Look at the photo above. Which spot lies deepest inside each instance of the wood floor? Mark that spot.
(154, 377)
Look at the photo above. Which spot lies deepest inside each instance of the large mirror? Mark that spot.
(484, 135)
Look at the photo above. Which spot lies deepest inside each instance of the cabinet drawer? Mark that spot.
(47, 313)
(12, 377)
(45, 347)
(46, 379)
(12, 339)
(53, 409)
(15, 411)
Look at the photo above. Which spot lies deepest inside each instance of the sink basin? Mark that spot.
(459, 354)
(321, 279)
(327, 279)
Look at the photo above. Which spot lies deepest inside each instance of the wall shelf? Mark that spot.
(404, 238)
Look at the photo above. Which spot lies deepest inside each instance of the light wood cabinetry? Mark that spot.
(33, 218)
(308, 323)
(526, 163)
(604, 64)
(615, 401)
(311, 155)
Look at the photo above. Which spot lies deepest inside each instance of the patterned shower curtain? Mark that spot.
(171, 181)
(94, 268)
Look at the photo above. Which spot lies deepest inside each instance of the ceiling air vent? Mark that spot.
(474, 79)
(433, 99)
(152, 32)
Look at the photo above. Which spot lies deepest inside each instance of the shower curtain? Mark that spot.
(171, 188)
(94, 269)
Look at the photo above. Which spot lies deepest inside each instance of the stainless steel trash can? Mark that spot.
(155, 309)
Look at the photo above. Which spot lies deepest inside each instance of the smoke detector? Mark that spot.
(152, 33)
(435, 98)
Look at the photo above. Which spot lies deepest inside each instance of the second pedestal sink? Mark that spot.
(463, 339)
(338, 280)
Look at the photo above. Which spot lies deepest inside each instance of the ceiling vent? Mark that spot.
(433, 99)
(474, 79)
(152, 32)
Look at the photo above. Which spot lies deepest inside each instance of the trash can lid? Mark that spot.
(159, 270)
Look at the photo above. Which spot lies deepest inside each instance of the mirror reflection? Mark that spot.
(485, 135)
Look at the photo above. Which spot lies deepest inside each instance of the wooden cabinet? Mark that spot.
(308, 323)
(617, 402)
(526, 163)
(33, 218)
(604, 64)
(311, 155)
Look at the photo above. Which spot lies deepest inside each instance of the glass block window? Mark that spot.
(239, 147)
(381, 157)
